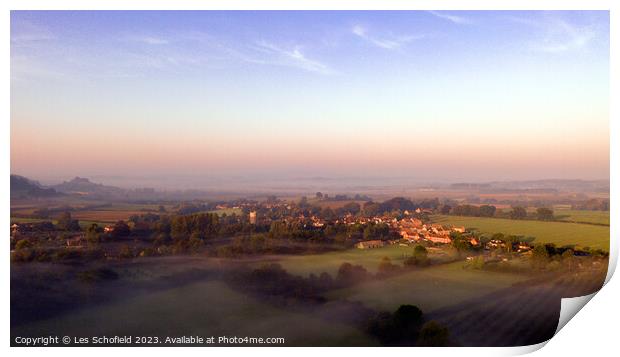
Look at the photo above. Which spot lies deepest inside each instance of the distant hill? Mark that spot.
(537, 186)
(84, 187)
(22, 187)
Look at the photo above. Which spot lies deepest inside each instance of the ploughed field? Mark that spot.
(583, 235)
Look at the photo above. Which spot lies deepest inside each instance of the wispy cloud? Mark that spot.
(23, 32)
(259, 52)
(292, 57)
(149, 40)
(452, 18)
(558, 35)
(386, 43)
(152, 40)
(25, 68)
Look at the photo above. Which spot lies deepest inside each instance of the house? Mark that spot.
(523, 247)
(253, 217)
(439, 239)
(495, 243)
(458, 229)
(15, 228)
(370, 244)
(410, 234)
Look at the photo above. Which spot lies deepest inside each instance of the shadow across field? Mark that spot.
(524, 314)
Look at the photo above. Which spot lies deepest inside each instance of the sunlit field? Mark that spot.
(584, 235)
(429, 288)
(595, 217)
(368, 258)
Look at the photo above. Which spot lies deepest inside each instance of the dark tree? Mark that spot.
(540, 256)
(372, 208)
(67, 223)
(434, 335)
(352, 207)
(487, 211)
(544, 214)
(518, 212)
(121, 229)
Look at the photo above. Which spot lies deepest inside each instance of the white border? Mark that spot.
(594, 331)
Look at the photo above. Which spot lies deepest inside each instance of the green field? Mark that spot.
(330, 262)
(29, 220)
(227, 211)
(83, 224)
(596, 217)
(430, 289)
(200, 309)
(584, 235)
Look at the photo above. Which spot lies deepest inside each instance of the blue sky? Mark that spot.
(462, 94)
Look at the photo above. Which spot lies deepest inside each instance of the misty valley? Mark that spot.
(459, 265)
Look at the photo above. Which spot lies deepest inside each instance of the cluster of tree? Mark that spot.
(419, 257)
(517, 212)
(342, 197)
(189, 208)
(271, 281)
(544, 214)
(67, 223)
(260, 244)
(549, 257)
(397, 204)
(25, 252)
(199, 225)
(406, 327)
(295, 230)
(471, 210)
(594, 204)
(545, 257)
(36, 227)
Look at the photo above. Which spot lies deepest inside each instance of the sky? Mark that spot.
(443, 96)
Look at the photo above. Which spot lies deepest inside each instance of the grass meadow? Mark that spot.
(208, 308)
(429, 288)
(368, 258)
(584, 235)
(583, 216)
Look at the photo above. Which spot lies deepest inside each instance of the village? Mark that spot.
(404, 228)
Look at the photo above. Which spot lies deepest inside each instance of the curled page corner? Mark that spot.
(523, 350)
(570, 307)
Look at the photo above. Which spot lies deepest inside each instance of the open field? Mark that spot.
(596, 217)
(227, 211)
(201, 308)
(157, 297)
(429, 288)
(585, 235)
(107, 216)
(30, 220)
(83, 223)
(368, 258)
